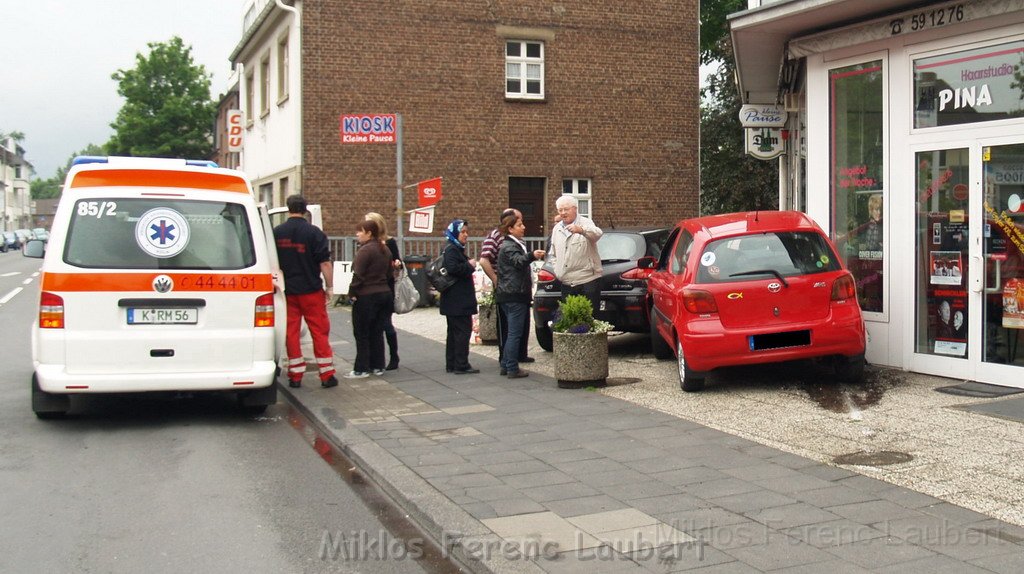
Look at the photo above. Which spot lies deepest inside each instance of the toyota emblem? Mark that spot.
(774, 287)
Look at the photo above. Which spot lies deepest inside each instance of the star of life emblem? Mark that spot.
(162, 232)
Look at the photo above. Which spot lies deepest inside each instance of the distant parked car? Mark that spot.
(752, 288)
(10, 241)
(627, 258)
(24, 235)
(41, 234)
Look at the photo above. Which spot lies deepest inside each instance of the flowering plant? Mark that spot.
(576, 315)
(486, 299)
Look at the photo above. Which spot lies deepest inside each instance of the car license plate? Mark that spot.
(143, 316)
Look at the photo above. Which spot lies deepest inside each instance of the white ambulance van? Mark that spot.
(159, 275)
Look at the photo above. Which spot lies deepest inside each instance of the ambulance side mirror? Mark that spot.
(34, 248)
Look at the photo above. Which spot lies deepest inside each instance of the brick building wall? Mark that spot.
(621, 106)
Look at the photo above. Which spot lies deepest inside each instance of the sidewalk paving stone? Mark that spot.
(606, 481)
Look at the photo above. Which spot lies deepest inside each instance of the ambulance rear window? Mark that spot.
(131, 233)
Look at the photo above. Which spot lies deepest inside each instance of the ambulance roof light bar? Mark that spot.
(86, 159)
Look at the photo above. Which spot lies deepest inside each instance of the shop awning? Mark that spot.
(759, 36)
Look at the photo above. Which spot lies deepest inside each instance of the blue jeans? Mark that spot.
(516, 313)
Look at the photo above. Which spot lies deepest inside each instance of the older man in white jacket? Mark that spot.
(574, 252)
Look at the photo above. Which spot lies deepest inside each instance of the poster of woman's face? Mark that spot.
(946, 268)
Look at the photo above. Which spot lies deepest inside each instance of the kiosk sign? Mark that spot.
(763, 116)
(368, 128)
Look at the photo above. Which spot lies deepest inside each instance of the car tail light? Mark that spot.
(264, 311)
(844, 288)
(637, 274)
(51, 311)
(699, 302)
(545, 276)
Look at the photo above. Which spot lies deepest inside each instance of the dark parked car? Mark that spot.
(10, 241)
(623, 285)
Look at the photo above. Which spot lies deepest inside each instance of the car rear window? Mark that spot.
(127, 233)
(621, 246)
(761, 256)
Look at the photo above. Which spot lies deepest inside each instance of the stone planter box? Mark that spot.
(580, 360)
(487, 321)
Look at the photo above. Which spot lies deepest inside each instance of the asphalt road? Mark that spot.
(165, 484)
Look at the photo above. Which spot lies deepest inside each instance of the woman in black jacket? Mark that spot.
(514, 290)
(396, 263)
(458, 302)
(371, 300)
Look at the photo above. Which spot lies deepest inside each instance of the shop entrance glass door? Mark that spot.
(969, 262)
(943, 259)
(1002, 184)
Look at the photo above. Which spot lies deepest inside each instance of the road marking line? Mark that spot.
(11, 274)
(10, 295)
(27, 281)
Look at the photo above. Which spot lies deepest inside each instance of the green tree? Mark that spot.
(168, 111)
(50, 188)
(730, 180)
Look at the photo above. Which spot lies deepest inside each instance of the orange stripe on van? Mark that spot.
(208, 282)
(159, 178)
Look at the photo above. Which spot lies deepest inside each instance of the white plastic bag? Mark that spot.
(406, 295)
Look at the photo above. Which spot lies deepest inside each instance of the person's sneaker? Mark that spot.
(527, 360)
(357, 375)
(331, 382)
(294, 384)
(378, 372)
(518, 374)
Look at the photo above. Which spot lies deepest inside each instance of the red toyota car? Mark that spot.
(750, 288)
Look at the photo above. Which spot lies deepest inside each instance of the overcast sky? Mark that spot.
(58, 56)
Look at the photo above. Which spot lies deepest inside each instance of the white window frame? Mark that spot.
(250, 98)
(574, 190)
(282, 69)
(265, 85)
(522, 61)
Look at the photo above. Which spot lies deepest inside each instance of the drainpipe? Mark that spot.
(298, 88)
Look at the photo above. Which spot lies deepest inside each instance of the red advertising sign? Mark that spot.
(368, 128)
(234, 128)
(429, 192)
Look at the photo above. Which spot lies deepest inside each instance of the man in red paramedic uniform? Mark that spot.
(305, 255)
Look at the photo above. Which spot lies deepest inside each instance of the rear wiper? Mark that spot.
(762, 272)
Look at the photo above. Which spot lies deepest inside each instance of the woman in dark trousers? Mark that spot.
(396, 263)
(458, 302)
(371, 300)
(514, 290)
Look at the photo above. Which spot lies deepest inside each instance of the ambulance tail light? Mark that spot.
(51, 311)
(264, 311)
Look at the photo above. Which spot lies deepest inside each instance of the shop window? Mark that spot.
(524, 70)
(581, 190)
(856, 135)
(979, 85)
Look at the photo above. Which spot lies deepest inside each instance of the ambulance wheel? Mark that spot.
(256, 401)
(48, 405)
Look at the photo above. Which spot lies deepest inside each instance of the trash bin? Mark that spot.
(416, 268)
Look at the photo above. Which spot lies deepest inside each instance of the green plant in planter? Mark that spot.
(486, 299)
(576, 315)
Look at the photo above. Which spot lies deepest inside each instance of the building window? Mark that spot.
(265, 85)
(17, 172)
(524, 70)
(250, 94)
(282, 190)
(267, 193)
(857, 135)
(282, 69)
(582, 191)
